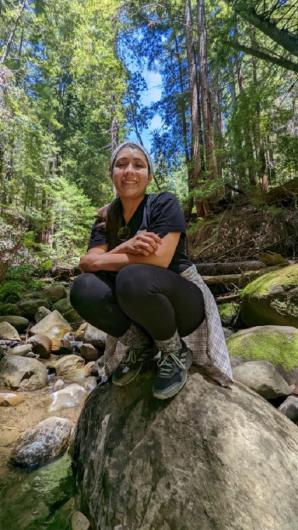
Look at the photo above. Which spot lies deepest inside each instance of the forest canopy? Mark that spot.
(72, 79)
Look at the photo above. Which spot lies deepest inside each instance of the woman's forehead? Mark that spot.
(131, 152)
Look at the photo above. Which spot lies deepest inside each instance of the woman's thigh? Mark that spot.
(93, 297)
(159, 294)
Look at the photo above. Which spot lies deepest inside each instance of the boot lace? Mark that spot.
(165, 364)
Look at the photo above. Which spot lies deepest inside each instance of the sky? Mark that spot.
(151, 95)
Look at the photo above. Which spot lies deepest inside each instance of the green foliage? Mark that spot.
(11, 291)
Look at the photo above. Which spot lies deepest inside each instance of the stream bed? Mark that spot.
(40, 500)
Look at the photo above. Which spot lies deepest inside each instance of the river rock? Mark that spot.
(9, 399)
(290, 408)
(69, 313)
(29, 306)
(263, 378)
(68, 363)
(8, 332)
(22, 372)
(9, 309)
(41, 312)
(79, 521)
(209, 458)
(276, 344)
(41, 345)
(20, 323)
(228, 313)
(68, 397)
(41, 444)
(89, 352)
(272, 299)
(54, 326)
(92, 335)
(55, 292)
(21, 349)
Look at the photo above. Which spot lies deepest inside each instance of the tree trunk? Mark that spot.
(205, 93)
(12, 33)
(195, 164)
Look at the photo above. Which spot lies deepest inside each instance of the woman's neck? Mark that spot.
(130, 206)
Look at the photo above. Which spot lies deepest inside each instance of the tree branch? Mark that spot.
(279, 61)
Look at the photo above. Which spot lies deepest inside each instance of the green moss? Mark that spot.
(228, 312)
(266, 344)
(262, 286)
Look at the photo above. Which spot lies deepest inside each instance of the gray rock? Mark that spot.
(22, 372)
(65, 308)
(41, 312)
(55, 292)
(79, 521)
(68, 363)
(290, 408)
(68, 397)
(41, 444)
(22, 349)
(263, 378)
(209, 458)
(20, 323)
(8, 332)
(92, 335)
(41, 345)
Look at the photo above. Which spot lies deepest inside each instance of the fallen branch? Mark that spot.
(229, 268)
(238, 279)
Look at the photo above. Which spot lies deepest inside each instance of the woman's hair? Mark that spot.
(132, 145)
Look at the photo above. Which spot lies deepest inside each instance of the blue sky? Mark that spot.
(151, 95)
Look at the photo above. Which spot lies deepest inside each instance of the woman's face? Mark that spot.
(130, 173)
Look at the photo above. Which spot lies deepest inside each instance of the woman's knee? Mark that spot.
(133, 281)
(81, 288)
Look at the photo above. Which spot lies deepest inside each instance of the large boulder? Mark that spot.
(54, 292)
(272, 299)
(22, 372)
(8, 332)
(263, 378)
(20, 323)
(277, 344)
(206, 459)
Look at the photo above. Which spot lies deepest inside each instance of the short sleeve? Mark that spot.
(166, 215)
(98, 235)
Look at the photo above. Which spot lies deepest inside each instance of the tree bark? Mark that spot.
(195, 163)
(205, 93)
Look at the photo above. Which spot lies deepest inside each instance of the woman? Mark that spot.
(131, 286)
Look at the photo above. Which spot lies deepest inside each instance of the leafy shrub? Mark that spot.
(11, 291)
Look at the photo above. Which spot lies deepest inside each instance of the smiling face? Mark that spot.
(131, 173)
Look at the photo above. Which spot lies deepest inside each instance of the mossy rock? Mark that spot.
(29, 306)
(9, 309)
(228, 313)
(272, 299)
(277, 344)
(65, 308)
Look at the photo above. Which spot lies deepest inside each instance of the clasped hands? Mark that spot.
(143, 244)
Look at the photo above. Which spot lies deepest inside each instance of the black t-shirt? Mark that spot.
(159, 213)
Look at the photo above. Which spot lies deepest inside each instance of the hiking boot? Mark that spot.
(131, 366)
(172, 373)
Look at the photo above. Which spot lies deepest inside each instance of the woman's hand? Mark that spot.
(143, 243)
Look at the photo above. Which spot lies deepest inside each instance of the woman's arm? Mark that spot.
(98, 259)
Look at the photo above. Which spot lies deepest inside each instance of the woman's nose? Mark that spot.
(129, 168)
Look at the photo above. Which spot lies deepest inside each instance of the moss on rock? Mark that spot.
(272, 282)
(228, 312)
(277, 344)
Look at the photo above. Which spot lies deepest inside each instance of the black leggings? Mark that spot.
(157, 299)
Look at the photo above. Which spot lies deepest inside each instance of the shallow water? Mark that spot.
(40, 500)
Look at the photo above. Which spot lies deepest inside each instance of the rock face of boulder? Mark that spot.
(263, 378)
(272, 299)
(42, 443)
(54, 326)
(276, 344)
(8, 332)
(207, 459)
(22, 372)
